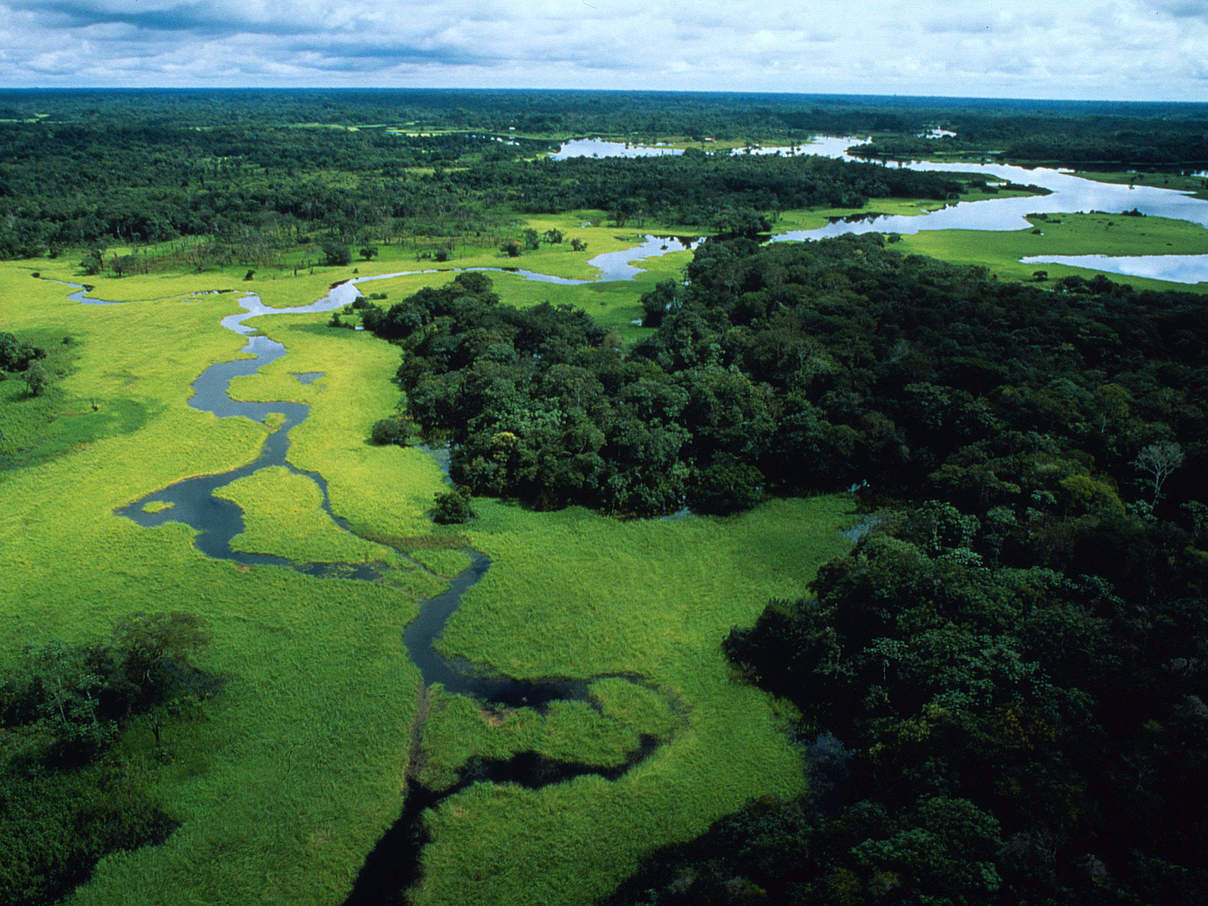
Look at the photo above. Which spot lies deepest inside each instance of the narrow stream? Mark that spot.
(394, 863)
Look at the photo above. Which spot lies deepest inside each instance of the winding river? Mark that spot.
(1068, 193)
(394, 863)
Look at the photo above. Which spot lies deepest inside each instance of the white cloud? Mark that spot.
(1117, 49)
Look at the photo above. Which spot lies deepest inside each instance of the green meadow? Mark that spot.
(1195, 185)
(1066, 234)
(283, 782)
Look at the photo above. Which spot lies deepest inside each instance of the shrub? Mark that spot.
(453, 507)
(387, 431)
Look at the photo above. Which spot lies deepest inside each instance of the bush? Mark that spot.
(336, 254)
(389, 431)
(453, 507)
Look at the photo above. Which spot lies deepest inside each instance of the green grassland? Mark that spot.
(284, 781)
(1067, 234)
(283, 515)
(261, 779)
(573, 593)
(1196, 185)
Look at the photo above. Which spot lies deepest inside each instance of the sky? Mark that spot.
(1117, 49)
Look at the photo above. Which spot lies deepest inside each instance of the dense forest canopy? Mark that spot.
(812, 367)
(260, 170)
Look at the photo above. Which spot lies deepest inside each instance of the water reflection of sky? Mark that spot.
(1068, 193)
(1176, 268)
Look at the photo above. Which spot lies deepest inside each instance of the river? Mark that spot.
(1068, 193)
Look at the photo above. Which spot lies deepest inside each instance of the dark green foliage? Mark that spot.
(1011, 654)
(67, 795)
(453, 507)
(388, 431)
(801, 368)
(730, 193)
(15, 355)
(57, 825)
(336, 254)
(664, 298)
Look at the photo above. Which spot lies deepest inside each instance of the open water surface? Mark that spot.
(1067, 193)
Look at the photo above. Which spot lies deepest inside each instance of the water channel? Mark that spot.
(393, 865)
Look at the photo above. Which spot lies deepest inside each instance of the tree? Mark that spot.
(336, 254)
(531, 239)
(552, 236)
(453, 507)
(387, 431)
(154, 650)
(368, 251)
(94, 260)
(1158, 460)
(511, 248)
(578, 245)
(36, 378)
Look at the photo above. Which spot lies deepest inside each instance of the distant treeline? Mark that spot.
(696, 188)
(1100, 140)
(263, 170)
(260, 189)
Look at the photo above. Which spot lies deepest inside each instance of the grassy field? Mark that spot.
(273, 807)
(284, 781)
(1196, 185)
(572, 593)
(1067, 234)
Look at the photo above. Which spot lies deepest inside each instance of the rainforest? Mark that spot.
(569, 497)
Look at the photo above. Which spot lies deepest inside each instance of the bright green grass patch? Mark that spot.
(1196, 185)
(156, 506)
(1066, 234)
(573, 593)
(283, 515)
(285, 780)
(35, 429)
(443, 562)
(387, 489)
(459, 728)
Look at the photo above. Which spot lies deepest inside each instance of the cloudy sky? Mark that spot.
(1116, 49)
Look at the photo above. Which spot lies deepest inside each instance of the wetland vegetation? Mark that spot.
(818, 572)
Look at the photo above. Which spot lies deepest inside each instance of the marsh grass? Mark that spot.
(1067, 234)
(283, 783)
(283, 515)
